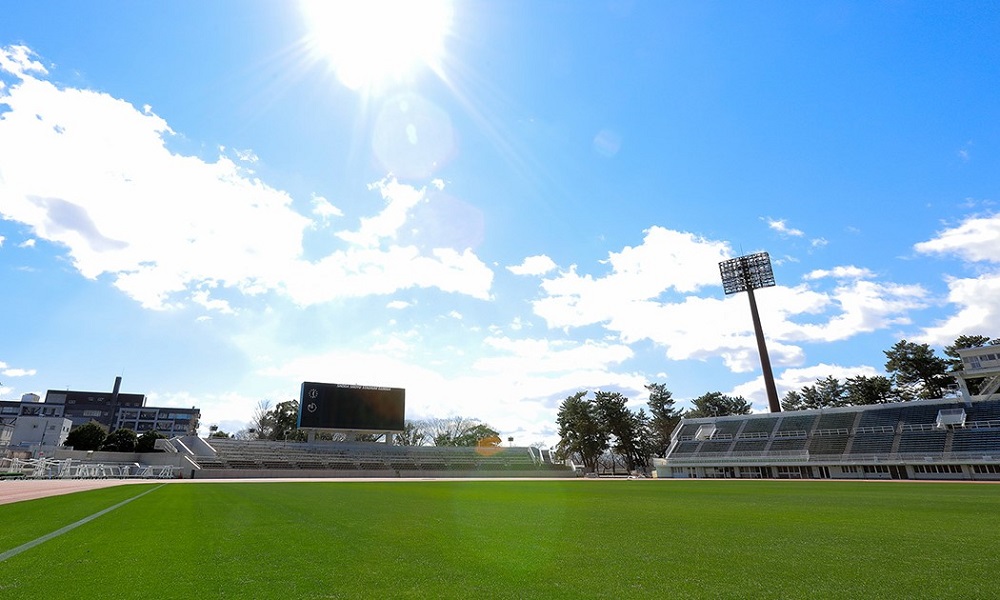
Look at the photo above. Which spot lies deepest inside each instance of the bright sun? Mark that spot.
(373, 44)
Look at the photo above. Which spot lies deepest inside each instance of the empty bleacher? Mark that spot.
(292, 457)
(983, 411)
(788, 445)
(922, 442)
(986, 441)
(748, 446)
(794, 425)
(686, 431)
(688, 447)
(918, 415)
(881, 441)
(873, 443)
(755, 427)
(832, 433)
(828, 444)
(877, 420)
(716, 446)
(836, 421)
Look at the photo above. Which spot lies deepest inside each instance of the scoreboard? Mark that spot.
(336, 406)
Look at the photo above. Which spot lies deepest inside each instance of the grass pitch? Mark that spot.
(510, 539)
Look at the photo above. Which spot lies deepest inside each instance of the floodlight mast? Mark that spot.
(745, 274)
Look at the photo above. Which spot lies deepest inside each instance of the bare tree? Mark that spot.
(260, 422)
(413, 434)
(457, 431)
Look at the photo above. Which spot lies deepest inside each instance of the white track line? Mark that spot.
(28, 546)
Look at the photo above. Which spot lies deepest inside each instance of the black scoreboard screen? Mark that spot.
(351, 407)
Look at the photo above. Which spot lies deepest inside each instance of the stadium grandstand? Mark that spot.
(928, 439)
(192, 457)
(948, 438)
(219, 458)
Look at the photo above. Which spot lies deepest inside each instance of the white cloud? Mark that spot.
(976, 239)
(666, 260)
(648, 295)
(533, 265)
(781, 226)
(854, 307)
(164, 225)
(527, 356)
(399, 200)
(248, 156)
(363, 272)
(19, 61)
(9, 371)
(978, 310)
(201, 297)
(842, 272)
(324, 209)
(29, 243)
(398, 304)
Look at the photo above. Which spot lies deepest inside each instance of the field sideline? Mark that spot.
(505, 539)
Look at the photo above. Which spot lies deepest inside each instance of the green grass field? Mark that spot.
(510, 539)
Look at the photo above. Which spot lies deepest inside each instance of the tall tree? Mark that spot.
(282, 421)
(793, 401)
(877, 389)
(88, 436)
(829, 392)
(917, 369)
(624, 427)
(120, 440)
(642, 426)
(825, 393)
(664, 417)
(717, 404)
(581, 433)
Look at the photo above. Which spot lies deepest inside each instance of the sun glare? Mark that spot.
(372, 45)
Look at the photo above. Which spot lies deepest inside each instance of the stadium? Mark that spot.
(222, 518)
(954, 438)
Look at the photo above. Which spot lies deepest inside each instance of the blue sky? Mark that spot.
(492, 205)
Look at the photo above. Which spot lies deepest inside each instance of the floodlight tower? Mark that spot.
(746, 274)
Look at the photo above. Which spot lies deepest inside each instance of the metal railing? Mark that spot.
(736, 458)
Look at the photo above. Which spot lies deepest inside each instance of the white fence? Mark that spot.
(68, 468)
